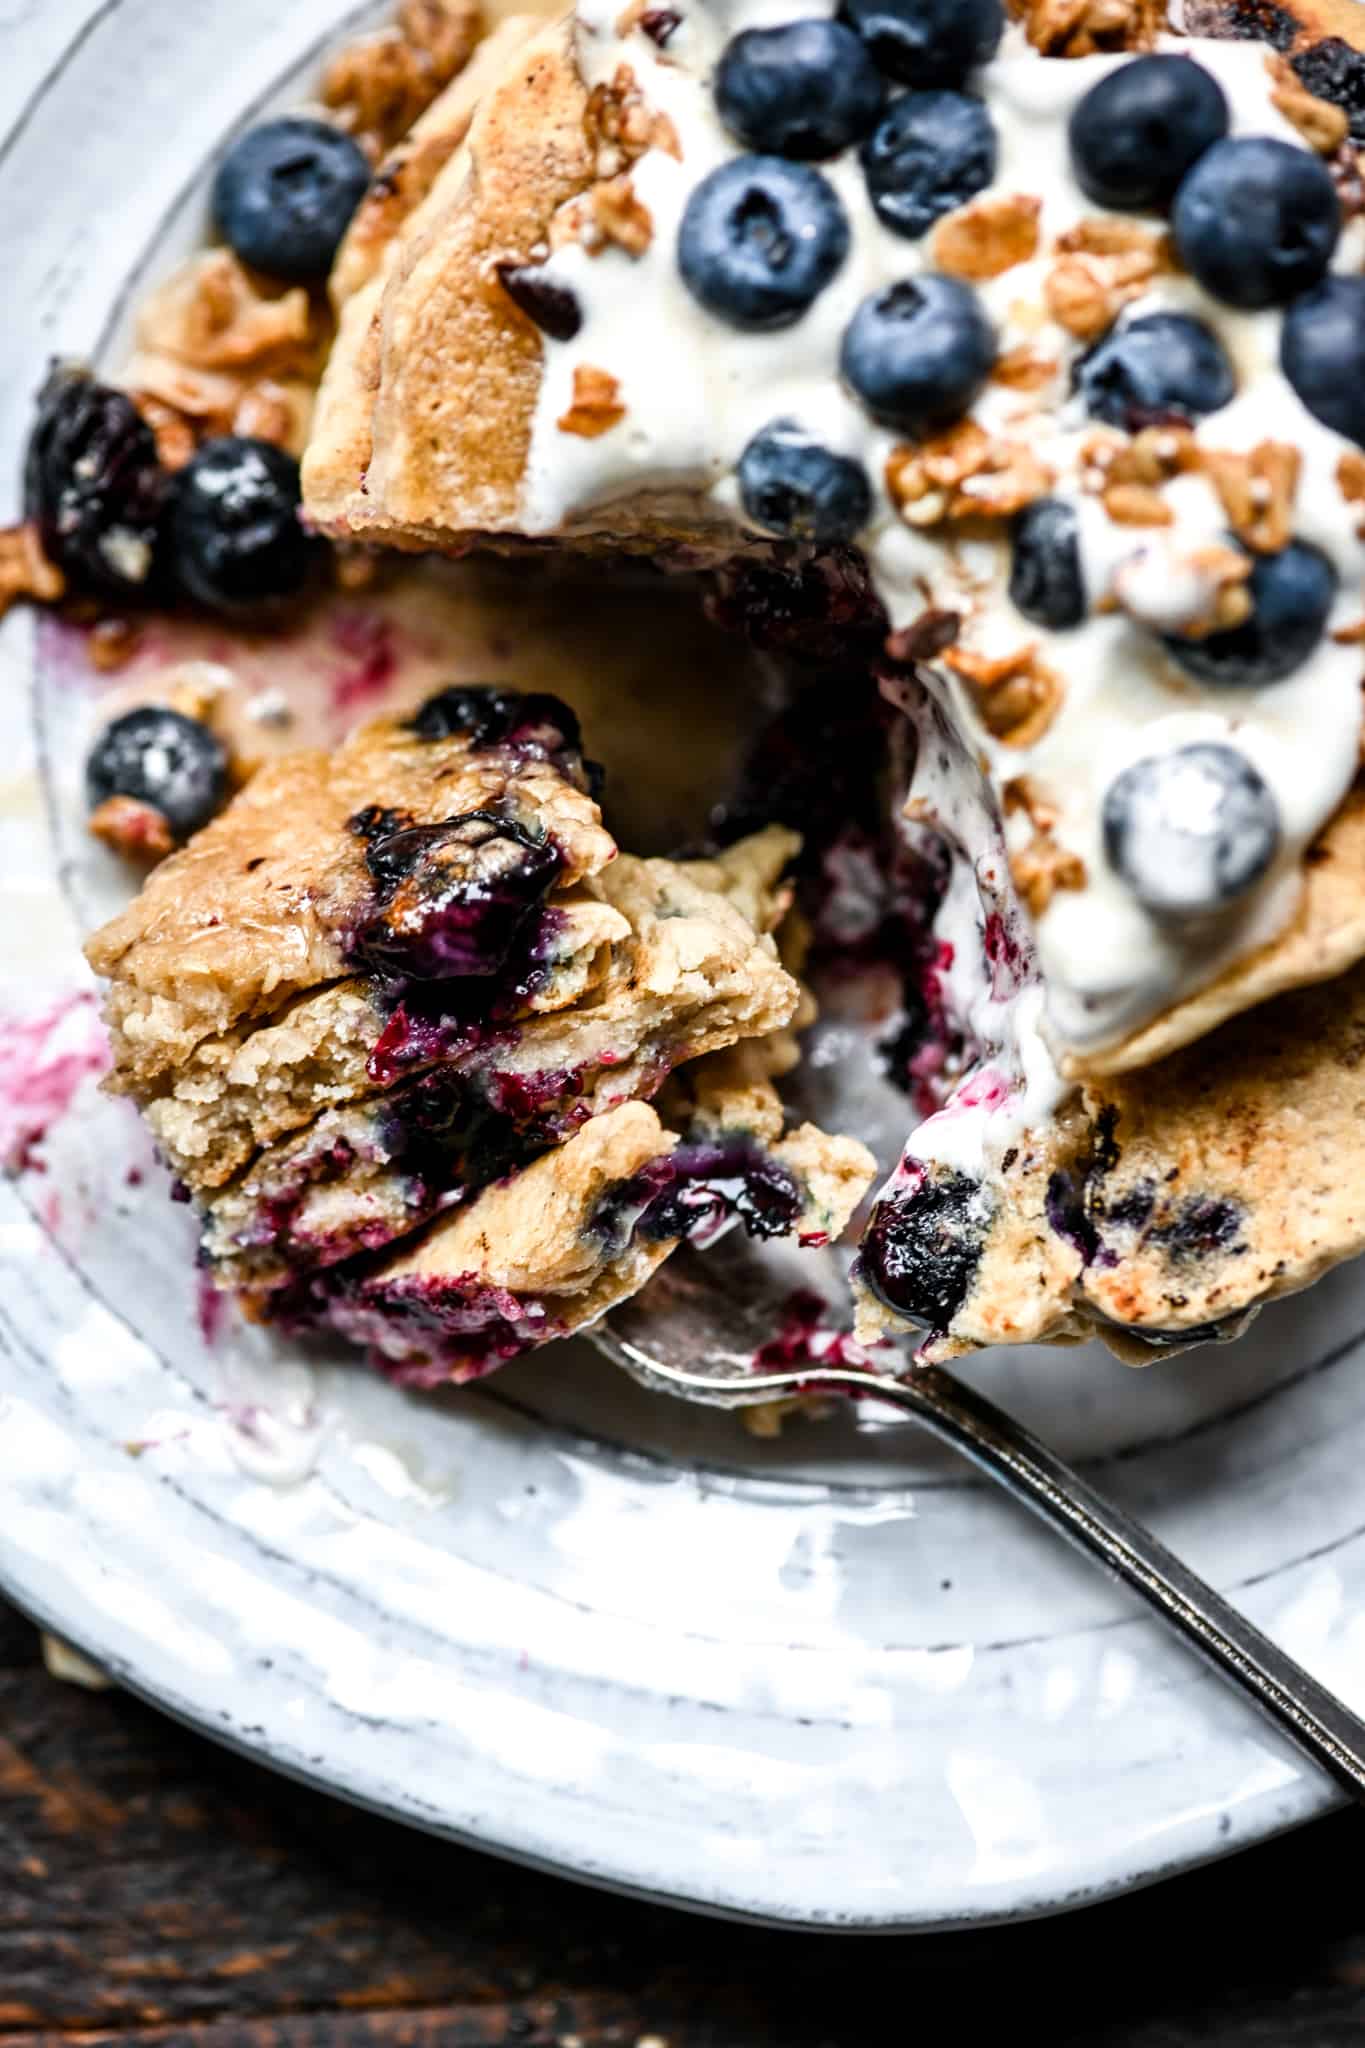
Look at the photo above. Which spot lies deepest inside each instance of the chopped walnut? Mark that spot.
(112, 643)
(1322, 125)
(378, 85)
(1101, 265)
(1127, 471)
(176, 439)
(596, 407)
(1041, 868)
(1137, 505)
(621, 125)
(1016, 695)
(989, 237)
(1022, 369)
(1257, 491)
(213, 316)
(1078, 28)
(1351, 481)
(1025, 793)
(621, 218)
(133, 828)
(25, 571)
(963, 473)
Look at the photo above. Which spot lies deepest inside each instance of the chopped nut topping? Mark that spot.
(621, 125)
(989, 237)
(1127, 471)
(596, 407)
(1351, 481)
(1257, 492)
(112, 643)
(1322, 125)
(212, 316)
(378, 85)
(963, 473)
(621, 218)
(1016, 695)
(1041, 868)
(272, 412)
(1078, 28)
(176, 438)
(25, 571)
(1101, 265)
(1025, 793)
(1137, 505)
(1021, 369)
(133, 828)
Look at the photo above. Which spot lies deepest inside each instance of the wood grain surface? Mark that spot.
(154, 1889)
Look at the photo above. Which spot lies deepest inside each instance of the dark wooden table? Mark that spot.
(157, 1890)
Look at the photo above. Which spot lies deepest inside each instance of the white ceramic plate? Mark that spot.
(826, 1681)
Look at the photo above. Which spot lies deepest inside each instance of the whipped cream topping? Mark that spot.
(694, 391)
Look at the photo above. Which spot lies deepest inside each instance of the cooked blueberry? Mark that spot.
(760, 240)
(929, 42)
(285, 193)
(1046, 581)
(1164, 366)
(1333, 70)
(238, 541)
(552, 307)
(920, 1251)
(918, 352)
(452, 898)
(1256, 221)
(164, 759)
(1322, 353)
(931, 151)
(1292, 594)
(1190, 831)
(807, 89)
(491, 717)
(95, 485)
(792, 487)
(1137, 132)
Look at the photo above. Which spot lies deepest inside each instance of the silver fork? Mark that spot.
(693, 1334)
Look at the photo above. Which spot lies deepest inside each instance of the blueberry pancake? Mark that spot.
(1052, 326)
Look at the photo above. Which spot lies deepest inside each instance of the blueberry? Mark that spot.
(492, 717)
(284, 196)
(1322, 353)
(164, 759)
(931, 151)
(95, 486)
(792, 487)
(235, 528)
(929, 42)
(808, 89)
(760, 240)
(1164, 366)
(1190, 831)
(1137, 132)
(920, 1251)
(1046, 581)
(451, 899)
(1256, 221)
(1292, 594)
(917, 353)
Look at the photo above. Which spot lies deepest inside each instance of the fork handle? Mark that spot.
(1305, 1711)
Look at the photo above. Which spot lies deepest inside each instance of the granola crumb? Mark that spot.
(596, 407)
(25, 570)
(133, 828)
(989, 237)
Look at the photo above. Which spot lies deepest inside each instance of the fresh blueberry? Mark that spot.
(929, 42)
(1292, 594)
(235, 528)
(1137, 132)
(284, 196)
(164, 759)
(1046, 581)
(792, 487)
(931, 151)
(921, 1250)
(95, 486)
(1161, 367)
(1256, 221)
(808, 89)
(917, 353)
(1322, 353)
(1190, 831)
(760, 239)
